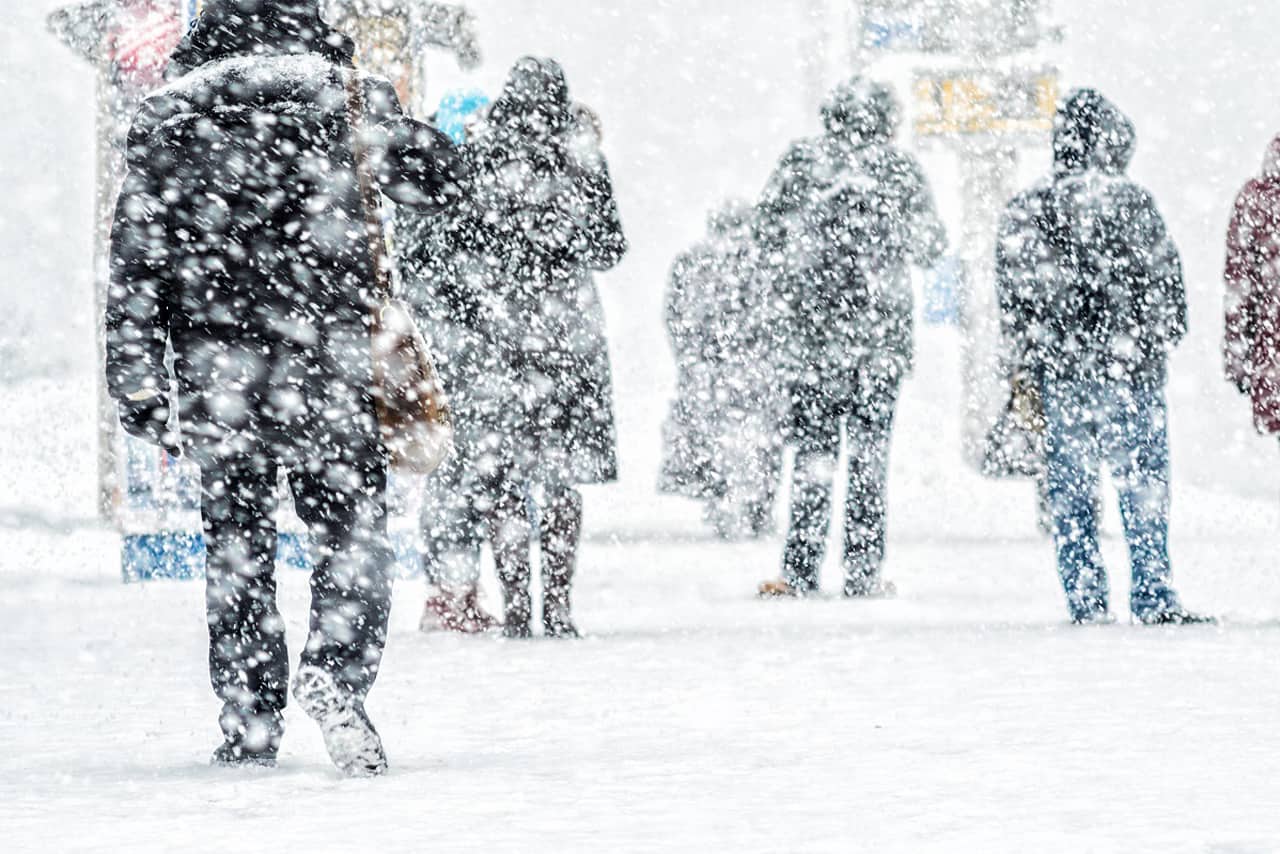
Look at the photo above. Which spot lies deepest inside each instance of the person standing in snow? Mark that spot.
(238, 245)
(1093, 301)
(722, 437)
(1253, 294)
(843, 217)
(539, 218)
(454, 524)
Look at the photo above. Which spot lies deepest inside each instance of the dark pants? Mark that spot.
(511, 531)
(867, 419)
(1123, 425)
(343, 504)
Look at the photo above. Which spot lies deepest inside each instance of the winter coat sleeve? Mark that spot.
(1164, 303)
(1022, 258)
(678, 316)
(416, 165)
(603, 242)
(1243, 278)
(140, 288)
(926, 235)
(783, 196)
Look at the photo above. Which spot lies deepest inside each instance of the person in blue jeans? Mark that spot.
(1125, 427)
(1093, 301)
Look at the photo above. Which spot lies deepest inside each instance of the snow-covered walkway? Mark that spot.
(965, 715)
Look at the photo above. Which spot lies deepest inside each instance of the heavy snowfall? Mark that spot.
(931, 681)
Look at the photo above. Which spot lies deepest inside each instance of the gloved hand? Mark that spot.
(145, 415)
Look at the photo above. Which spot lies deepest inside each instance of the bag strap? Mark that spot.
(370, 195)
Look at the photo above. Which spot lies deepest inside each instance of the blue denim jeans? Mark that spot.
(1125, 425)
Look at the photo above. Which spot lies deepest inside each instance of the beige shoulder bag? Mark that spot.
(413, 413)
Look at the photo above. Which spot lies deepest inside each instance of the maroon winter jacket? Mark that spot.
(1253, 293)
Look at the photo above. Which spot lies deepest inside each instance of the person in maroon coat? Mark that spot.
(1253, 293)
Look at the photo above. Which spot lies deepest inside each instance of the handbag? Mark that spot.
(1015, 445)
(414, 419)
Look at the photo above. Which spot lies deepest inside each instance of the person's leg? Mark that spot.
(561, 532)
(869, 428)
(1072, 471)
(248, 662)
(1138, 450)
(343, 504)
(511, 533)
(453, 534)
(816, 433)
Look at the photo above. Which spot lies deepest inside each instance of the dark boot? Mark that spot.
(230, 755)
(515, 571)
(561, 535)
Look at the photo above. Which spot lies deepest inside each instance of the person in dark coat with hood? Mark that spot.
(238, 245)
(539, 219)
(846, 214)
(1093, 301)
(1253, 293)
(722, 442)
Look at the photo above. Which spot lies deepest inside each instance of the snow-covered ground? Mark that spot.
(965, 715)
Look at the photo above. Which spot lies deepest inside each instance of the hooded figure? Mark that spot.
(539, 220)
(238, 250)
(722, 440)
(1253, 293)
(1090, 282)
(1092, 299)
(842, 219)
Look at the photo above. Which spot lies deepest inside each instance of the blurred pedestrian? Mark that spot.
(1094, 302)
(845, 214)
(540, 218)
(1253, 293)
(723, 441)
(238, 243)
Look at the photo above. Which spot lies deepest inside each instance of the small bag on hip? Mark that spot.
(1015, 445)
(414, 419)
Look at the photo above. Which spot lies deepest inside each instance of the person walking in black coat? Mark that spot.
(846, 213)
(238, 245)
(1093, 301)
(539, 218)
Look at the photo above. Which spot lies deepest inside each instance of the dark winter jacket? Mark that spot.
(841, 219)
(721, 310)
(1253, 293)
(539, 217)
(238, 237)
(1090, 283)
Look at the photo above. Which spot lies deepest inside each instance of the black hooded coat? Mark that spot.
(238, 236)
(1089, 281)
(841, 219)
(515, 267)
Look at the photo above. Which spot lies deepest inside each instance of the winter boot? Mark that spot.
(1094, 618)
(561, 534)
(780, 588)
(868, 586)
(515, 574)
(230, 755)
(1176, 617)
(349, 736)
(556, 619)
(456, 611)
(251, 738)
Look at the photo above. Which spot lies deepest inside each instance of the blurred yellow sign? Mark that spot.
(972, 103)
